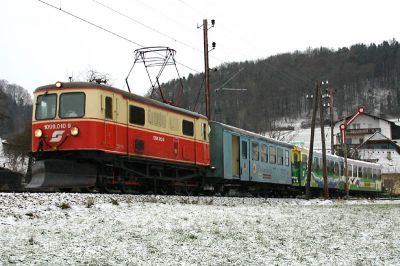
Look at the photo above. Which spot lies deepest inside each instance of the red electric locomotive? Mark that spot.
(87, 135)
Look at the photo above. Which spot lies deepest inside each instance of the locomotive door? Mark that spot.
(244, 159)
(109, 125)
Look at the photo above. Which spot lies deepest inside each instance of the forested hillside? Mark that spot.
(15, 114)
(274, 89)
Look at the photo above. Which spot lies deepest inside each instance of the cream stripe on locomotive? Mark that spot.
(156, 119)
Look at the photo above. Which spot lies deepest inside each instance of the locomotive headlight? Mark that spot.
(74, 131)
(38, 133)
(58, 84)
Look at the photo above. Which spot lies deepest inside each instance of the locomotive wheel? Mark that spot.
(164, 189)
(127, 189)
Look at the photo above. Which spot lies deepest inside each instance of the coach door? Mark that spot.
(109, 125)
(244, 159)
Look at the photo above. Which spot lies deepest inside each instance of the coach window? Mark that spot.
(136, 115)
(350, 170)
(108, 113)
(187, 128)
(72, 105)
(359, 172)
(279, 152)
(374, 173)
(316, 163)
(304, 161)
(264, 156)
(336, 168)
(272, 155)
(46, 106)
(341, 169)
(331, 167)
(255, 152)
(368, 172)
(244, 150)
(287, 158)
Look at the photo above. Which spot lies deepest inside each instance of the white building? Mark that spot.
(374, 139)
(363, 127)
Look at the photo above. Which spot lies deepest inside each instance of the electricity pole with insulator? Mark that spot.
(206, 66)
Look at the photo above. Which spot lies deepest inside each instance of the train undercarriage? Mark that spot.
(94, 171)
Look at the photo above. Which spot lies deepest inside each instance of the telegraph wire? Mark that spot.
(91, 23)
(107, 30)
(291, 76)
(153, 29)
(146, 26)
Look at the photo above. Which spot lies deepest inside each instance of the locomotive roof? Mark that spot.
(132, 96)
(255, 135)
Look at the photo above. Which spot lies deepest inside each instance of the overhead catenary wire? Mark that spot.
(152, 29)
(107, 30)
(146, 26)
(288, 75)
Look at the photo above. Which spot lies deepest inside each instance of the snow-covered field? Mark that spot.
(94, 229)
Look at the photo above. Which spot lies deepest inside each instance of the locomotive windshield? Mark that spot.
(72, 105)
(46, 106)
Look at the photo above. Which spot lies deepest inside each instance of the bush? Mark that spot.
(65, 205)
(114, 201)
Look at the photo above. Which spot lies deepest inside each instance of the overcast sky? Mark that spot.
(40, 45)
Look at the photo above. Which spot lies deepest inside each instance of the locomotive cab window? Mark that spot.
(72, 105)
(136, 115)
(108, 112)
(46, 106)
(187, 128)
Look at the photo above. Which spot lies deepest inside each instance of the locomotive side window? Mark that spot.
(46, 106)
(254, 151)
(136, 115)
(272, 155)
(204, 131)
(108, 113)
(187, 128)
(72, 105)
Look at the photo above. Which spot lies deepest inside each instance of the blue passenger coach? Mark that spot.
(237, 154)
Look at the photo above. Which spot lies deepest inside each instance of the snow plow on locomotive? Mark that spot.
(87, 135)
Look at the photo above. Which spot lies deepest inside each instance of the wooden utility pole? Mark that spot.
(206, 69)
(331, 119)
(310, 152)
(321, 119)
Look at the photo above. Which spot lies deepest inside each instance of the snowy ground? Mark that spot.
(149, 230)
